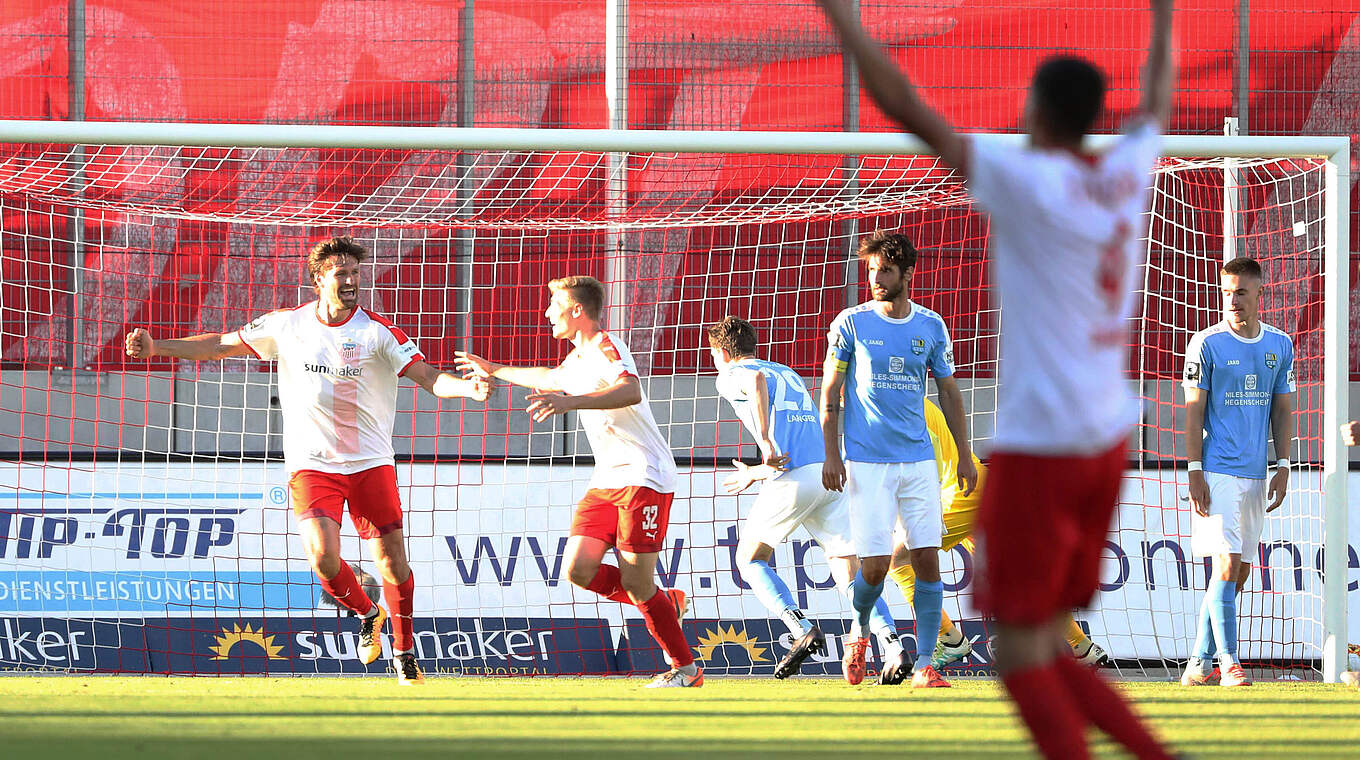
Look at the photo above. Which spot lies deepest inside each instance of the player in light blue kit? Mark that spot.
(1239, 390)
(772, 402)
(880, 355)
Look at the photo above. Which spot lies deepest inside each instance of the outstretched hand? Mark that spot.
(544, 404)
(739, 480)
(472, 365)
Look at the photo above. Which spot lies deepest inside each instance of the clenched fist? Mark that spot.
(139, 344)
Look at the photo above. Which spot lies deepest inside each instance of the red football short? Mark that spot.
(1043, 526)
(374, 506)
(630, 519)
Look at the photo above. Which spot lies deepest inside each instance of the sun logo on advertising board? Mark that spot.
(230, 637)
(710, 640)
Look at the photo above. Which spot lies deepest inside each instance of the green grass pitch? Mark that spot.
(43, 718)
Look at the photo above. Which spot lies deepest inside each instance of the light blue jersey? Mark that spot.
(885, 363)
(795, 427)
(1241, 377)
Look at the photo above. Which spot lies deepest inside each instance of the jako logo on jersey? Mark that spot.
(918, 346)
(322, 369)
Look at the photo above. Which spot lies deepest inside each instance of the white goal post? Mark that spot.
(69, 177)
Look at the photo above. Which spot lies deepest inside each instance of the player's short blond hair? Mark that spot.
(339, 246)
(586, 291)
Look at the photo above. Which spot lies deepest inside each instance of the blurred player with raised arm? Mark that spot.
(1064, 252)
(879, 357)
(1239, 392)
(338, 367)
(628, 503)
(960, 515)
(774, 404)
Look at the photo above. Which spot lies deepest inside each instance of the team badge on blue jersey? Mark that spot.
(1271, 359)
(918, 346)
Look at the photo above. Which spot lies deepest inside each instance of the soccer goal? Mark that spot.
(144, 523)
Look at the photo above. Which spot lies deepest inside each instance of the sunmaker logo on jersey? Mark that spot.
(322, 369)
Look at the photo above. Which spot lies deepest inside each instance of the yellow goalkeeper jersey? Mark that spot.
(947, 462)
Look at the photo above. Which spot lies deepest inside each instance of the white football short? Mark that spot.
(798, 498)
(1237, 513)
(888, 495)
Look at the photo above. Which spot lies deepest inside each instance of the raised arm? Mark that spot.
(537, 378)
(444, 385)
(626, 391)
(1159, 74)
(206, 347)
(890, 88)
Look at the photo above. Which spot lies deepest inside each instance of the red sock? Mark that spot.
(345, 588)
(606, 583)
(1104, 707)
(1055, 722)
(659, 614)
(400, 602)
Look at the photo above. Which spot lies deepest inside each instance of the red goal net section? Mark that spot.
(144, 516)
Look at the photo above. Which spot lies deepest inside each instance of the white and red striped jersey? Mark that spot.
(1066, 247)
(628, 446)
(337, 385)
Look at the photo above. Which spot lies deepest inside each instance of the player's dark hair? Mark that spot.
(889, 248)
(1243, 265)
(322, 253)
(587, 291)
(1068, 93)
(734, 335)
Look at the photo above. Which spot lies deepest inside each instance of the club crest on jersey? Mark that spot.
(896, 363)
(1271, 360)
(1251, 382)
(1192, 370)
(918, 346)
(349, 350)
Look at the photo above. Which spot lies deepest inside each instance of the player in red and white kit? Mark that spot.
(1064, 253)
(627, 505)
(338, 367)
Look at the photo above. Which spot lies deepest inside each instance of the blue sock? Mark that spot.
(1223, 616)
(928, 601)
(772, 591)
(1204, 641)
(862, 598)
(881, 619)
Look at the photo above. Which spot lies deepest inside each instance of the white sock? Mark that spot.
(372, 613)
(797, 624)
(689, 669)
(889, 644)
